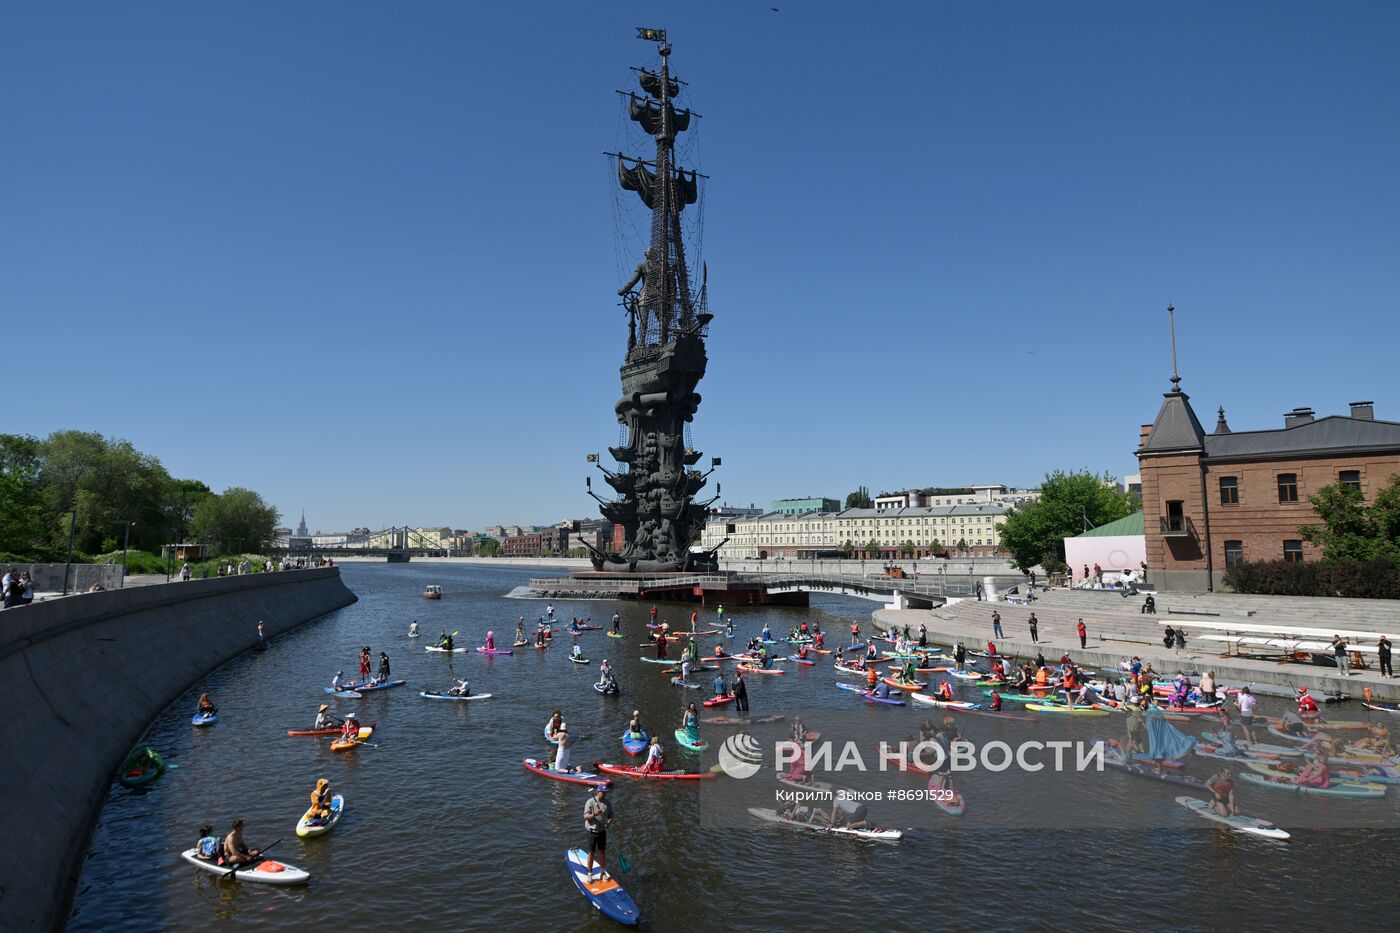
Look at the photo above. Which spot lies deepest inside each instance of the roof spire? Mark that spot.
(1220, 426)
(1176, 376)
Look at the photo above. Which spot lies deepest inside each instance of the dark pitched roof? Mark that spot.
(1333, 433)
(1176, 427)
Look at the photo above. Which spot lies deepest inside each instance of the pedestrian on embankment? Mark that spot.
(1383, 651)
(1083, 635)
(1034, 625)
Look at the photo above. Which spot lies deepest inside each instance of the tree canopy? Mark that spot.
(860, 499)
(1351, 530)
(236, 521)
(109, 484)
(1069, 504)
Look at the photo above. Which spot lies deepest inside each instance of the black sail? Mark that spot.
(651, 83)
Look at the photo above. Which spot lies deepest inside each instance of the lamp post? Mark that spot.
(72, 531)
(126, 538)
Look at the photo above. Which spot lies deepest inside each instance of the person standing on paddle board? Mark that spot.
(413, 628)
(1034, 624)
(549, 611)
(923, 635)
(597, 817)
(605, 673)
(656, 758)
(720, 687)
(690, 722)
(741, 693)
(520, 631)
(617, 624)
(236, 851)
(660, 646)
(364, 663)
(383, 667)
(653, 615)
(855, 633)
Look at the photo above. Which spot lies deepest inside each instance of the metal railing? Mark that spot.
(1177, 526)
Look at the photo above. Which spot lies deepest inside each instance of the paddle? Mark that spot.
(262, 856)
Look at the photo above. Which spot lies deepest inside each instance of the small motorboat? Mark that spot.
(433, 592)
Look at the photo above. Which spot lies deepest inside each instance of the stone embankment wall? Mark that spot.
(80, 680)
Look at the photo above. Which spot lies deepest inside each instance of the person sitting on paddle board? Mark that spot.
(634, 727)
(845, 814)
(1315, 773)
(802, 652)
(463, 689)
(605, 673)
(321, 800)
(207, 848)
(336, 683)
(872, 677)
(996, 701)
(490, 641)
(1306, 704)
(766, 634)
(445, 641)
(556, 722)
(882, 691)
(908, 673)
(577, 652)
(413, 628)
(721, 688)
(870, 653)
(324, 721)
(656, 758)
(350, 728)
(236, 851)
(206, 705)
(945, 692)
(720, 652)
(597, 817)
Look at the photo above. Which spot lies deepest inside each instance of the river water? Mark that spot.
(445, 830)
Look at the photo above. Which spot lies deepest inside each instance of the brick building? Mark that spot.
(1215, 499)
(547, 541)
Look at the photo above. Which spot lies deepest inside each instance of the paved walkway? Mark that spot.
(1116, 629)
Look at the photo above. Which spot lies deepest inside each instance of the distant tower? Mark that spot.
(301, 528)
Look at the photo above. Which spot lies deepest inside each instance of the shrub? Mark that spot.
(1373, 579)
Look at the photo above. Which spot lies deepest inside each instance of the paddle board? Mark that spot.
(432, 695)
(306, 826)
(263, 872)
(1241, 824)
(612, 902)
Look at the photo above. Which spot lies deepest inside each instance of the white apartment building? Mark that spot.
(870, 533)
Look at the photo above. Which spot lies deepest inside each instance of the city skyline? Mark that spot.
(333, 299)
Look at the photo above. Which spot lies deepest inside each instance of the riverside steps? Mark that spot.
(82, 677)
(1117, 629)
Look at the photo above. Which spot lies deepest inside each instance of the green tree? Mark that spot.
(847, 548)
(872, 548)
(488, 548)
(1350, 529)
(1033, 535)
(962, 544)
(860, 499)
(108, 481)
(237, 521)
(23, 522)
(906, 548)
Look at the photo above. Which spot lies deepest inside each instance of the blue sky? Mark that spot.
(361, 257)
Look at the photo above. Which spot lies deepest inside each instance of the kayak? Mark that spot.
(263, 872)
(331, 731)
(1071, 710)
(306, 826)
(544, 769)
(902, 685)
(347, 694)
(750, 669)
(1339, 789)
(1240, 824)
(485, 650)
(129, 774)
(606, 895)
(732, 721)
(773, 816)
(340, 745)
(686, 742)
(633, 746)
(719, 700)
(614, 690)
(869, 698)
(580, 660)
(634, 772)
(432, 695)
(807, 661)
(204, 719)
(371, 685)
(446, 650)
(945, 704)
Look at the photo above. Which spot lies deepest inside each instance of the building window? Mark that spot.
(1288, 487)
(1350, 478)
(1229, 490)
(1234, 554)
(1293, 551)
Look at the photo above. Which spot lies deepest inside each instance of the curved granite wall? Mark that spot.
(80, 680)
